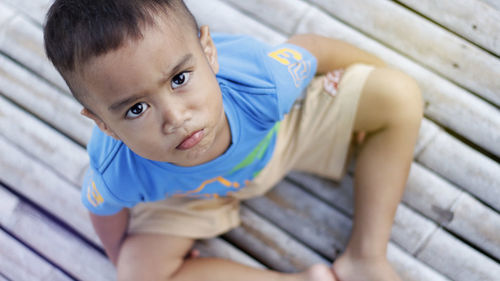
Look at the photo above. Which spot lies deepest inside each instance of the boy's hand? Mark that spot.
(351, 268)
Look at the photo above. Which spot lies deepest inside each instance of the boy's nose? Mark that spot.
(174, 116)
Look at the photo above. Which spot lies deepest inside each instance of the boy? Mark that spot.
(189, 124)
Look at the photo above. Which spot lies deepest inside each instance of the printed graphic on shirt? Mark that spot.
(332, 80)
(93, 195)
(198, 192)
(221, 186)
(298, 68)
(258, 151)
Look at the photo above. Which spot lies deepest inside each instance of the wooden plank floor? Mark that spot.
(446, 228)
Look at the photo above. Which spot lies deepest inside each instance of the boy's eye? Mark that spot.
(180, 79)
(136, 110)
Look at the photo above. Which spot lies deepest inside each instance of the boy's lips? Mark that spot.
(191, 140)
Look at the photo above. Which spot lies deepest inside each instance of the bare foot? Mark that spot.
(358, 269)
(319, 272)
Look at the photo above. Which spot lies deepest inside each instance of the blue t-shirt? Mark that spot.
(259, 84)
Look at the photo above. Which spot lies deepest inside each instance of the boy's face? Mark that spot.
(159, 95)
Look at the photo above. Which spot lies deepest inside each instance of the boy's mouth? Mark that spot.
(191, 140)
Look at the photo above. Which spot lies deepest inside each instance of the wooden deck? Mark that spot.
(446, 228)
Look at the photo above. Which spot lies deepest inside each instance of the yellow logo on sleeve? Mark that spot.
(94, 196)
(297, 67)
(282, 55)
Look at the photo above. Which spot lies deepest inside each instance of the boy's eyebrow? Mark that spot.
(121, 103)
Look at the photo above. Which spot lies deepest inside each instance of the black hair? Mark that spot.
(78, 30)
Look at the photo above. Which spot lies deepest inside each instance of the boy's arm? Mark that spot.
(111, 230)
(333, 54)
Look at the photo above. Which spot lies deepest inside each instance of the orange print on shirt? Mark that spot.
(222, 180)
(93, 195)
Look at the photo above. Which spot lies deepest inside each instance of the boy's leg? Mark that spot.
(390, 112)
(161, 257)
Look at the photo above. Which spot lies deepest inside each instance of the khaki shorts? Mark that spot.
(314, 137)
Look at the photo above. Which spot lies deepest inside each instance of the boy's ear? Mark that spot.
(208, 46)
(89, 114)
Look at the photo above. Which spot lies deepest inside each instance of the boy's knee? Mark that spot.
(403, 96)
(389, 97)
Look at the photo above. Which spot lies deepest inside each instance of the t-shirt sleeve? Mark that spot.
(268, 79)
(96, 197)
(293, 68)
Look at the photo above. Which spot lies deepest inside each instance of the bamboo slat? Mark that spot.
(410, 268)
(413, 233)
(230, 20)
(290, 205)
(6, 14)
(23, 40)
(462, 165)
(446, 254)
(326, 230)
(440, 50)
(454, 209)
(472, 19)
(19, 263)
(34, 9)
(431, 196)
(46, 102)
(16, 262)
(275, 248)
(42, 142)
(60, 246)
(216, 247)
(493, 3)
(282, 15)
(309, 220)
(40, 184)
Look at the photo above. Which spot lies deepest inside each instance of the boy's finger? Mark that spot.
(192, 254)
(360, 137)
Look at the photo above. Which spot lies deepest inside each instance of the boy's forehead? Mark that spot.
(165, 30)
(161, 48)
(172, 27)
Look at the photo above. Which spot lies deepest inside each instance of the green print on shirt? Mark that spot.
(258, 151)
